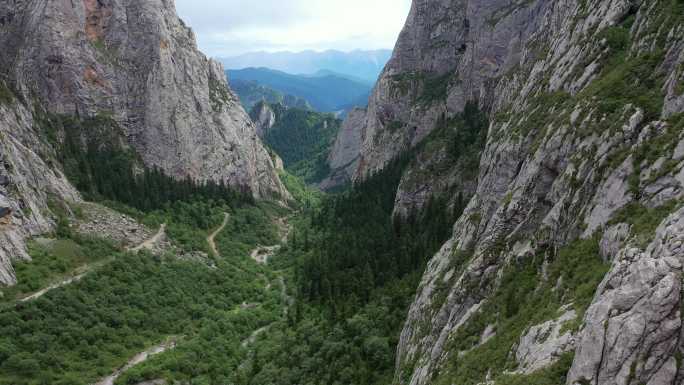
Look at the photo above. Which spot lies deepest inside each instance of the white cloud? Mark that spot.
(232, 27)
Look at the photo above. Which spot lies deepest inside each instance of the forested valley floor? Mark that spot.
(223, 289)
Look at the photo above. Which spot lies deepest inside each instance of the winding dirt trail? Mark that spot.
(44, 291)
(261, 255)
(250, 340)
(288, 303)
(137, 359)
(149, 244)
(212, 236)
(85, 269)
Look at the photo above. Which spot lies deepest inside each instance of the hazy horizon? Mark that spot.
(293, 26)
(306, 51)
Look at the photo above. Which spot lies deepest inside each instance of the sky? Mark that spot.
(227, 28)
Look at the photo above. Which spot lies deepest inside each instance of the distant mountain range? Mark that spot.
(251, 93)
(315, 89)
(362, 65)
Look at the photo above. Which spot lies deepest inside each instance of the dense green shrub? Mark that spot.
(87, 329)
(52, 260)
(525, 297)
(644, 220)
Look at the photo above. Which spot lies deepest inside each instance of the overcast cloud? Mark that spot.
(232, 27)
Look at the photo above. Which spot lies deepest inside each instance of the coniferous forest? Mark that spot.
(303, 139)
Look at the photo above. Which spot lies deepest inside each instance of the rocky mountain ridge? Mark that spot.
(344, 156)
(263, 116)
(582, 160)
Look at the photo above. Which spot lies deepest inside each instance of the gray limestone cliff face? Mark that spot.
(543, 344)
(448, 53)
(633, 330)
(28, 182)
(263, 117)
(139, 63)
(344, 156)
(557, 167)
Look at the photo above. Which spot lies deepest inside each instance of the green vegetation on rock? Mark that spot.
(218, 93)
(552, 375)
(6, 96)
(644, 220)
(524, 298)
(303, 139)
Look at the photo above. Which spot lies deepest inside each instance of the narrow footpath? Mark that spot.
(211, 238)
(44, 291)
(85, 269)
(138, 359)
(261, 255)
(150, 243)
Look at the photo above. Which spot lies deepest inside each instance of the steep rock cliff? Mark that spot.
(581, 167)
(263, 117)
(138, 62)
(447, 54)
(29, 184)
(132, 62)
(344, 157)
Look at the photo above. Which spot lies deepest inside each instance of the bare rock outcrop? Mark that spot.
(100, 221)
(543, 344)
(263, 117)
(633, 330)
(613, 240)
(31, 183)
(344, 157)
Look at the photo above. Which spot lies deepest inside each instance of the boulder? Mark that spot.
(543, 344)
